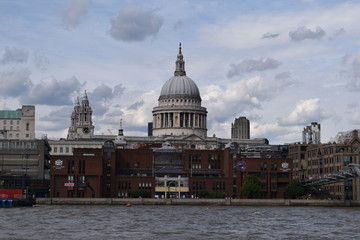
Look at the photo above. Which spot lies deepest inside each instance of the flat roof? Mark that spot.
(10, 114)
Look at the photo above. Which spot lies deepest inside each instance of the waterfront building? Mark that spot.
(28, 158)
(240, 128)
(176, 159)
(21, 155)
(18, 124)
(166, 172)
(319, 160)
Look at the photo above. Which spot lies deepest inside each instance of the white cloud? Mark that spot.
(240, 96)
(305, 111)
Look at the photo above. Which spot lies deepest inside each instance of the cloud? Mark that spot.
(305, 111)
(57, 119)
(41, 61)
(353, 72)
(303, 33)
(283, 76)
(52, 92)
(135, 24)
(74, 11)
(337, 32)
(101, 97)
(136, 105)
(251, 65)
(14, 55)
(249, 94)
(270, 35)
(15, 83)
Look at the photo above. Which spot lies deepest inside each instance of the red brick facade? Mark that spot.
(111, 172)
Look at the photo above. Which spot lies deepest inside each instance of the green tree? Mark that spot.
(251, 186)
(295, 189)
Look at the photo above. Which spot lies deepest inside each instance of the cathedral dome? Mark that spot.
(180, 86)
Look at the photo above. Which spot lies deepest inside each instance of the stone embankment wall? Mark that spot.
(218, 202)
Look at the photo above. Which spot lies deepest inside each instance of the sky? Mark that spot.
(282, 64)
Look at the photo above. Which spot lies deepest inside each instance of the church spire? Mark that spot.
(180, 64)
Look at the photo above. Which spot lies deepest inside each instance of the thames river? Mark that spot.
(179, 222)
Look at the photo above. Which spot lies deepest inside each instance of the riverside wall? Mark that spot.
(217, 202)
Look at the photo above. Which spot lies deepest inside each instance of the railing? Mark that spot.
(349, 172)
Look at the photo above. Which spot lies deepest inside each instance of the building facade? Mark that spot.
(240, 128)
(81, 120)
(179, 111)
(165, 172)
(318, 160)
(312, 134)
(27, 158)
(18, 124)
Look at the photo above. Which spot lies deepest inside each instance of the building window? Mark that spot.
(61, 149)
(11, 127)
(27, 135)
(214, 161)
(70, 166)
(81, 179)
(70, 179)
(81, 166)
(55, 149)
(67, 149)
(195, 161)
(11, 122)
(4, 121)
(27, 126)
(17, 122)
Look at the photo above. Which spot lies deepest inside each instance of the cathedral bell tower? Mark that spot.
(81, 120)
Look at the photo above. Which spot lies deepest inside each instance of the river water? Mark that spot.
(179, 222)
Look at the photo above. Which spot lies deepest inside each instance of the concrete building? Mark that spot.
(311, 134)
(18, 124)
(345, 137)
(319, 160)
(28, 158)
(240, 128)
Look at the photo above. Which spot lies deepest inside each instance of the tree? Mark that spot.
(295, 189)
(251, 186)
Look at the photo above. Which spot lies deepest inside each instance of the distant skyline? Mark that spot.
(282, 64)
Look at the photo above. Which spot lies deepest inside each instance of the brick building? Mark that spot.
(164, 172)
(319, 160)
